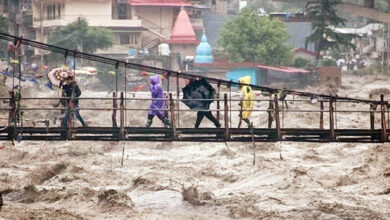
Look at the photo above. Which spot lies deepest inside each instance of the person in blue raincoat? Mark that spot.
(157, 107)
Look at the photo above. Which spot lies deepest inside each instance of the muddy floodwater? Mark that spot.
(287, 180)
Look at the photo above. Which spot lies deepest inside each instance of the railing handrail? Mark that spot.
(166, 99)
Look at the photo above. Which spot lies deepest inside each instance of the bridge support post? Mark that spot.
(122, 118)
(173, 121)
(384, 136)
(178, 100)
(116, 76)
(12, 117)
(322, 115)
(331, 120)
(218, 102)
(114, 105)
(277, 119)
(270, 112)
(226, 117)
(372, 117)
(113, 117)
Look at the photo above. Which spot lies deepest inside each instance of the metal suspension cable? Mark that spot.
(160, 71)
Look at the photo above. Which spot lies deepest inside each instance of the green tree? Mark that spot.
(3, 29)
(79, 34)
(251, 38)
(382, 5)
(325, 19)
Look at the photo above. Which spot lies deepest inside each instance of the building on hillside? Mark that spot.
(157, 17)
(49, 15)
(263, 75)
(284, 77)
(298, 26)
(306, 54)
(371, 43)
(221, 7)
(19, 16)
(18, 13)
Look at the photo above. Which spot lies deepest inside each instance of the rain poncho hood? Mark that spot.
(247, 96)
(158, 106)
(198, 89)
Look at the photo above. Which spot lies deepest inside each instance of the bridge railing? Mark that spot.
(121, 112)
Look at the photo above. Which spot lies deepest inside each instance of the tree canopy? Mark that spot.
(79, 34)
(325, 20)
(250, 38)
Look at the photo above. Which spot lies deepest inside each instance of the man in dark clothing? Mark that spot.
(200, 89)
(72, 91)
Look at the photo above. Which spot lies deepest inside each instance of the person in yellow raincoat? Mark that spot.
(246, 100)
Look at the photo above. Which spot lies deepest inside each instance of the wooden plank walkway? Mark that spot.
(196, 135)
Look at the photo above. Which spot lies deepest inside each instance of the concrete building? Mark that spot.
(157, 17)
(136, 24)
(49, 15)
(19, 16)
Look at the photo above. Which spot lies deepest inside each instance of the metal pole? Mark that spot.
(331, 121)
(168, 84)
(388, 115)
(122, 118)
(218, 102)
(226, 108)
(270, 111)
(167, 94)
(322, 115)
(114, 105)
(125, 115)
(277, 120)
(230, 103)
(13, 67)
(172, 109)
(384, 137)
(335, 113)
(20, 116)
(282, 114)
(178, 101)
(372, 117)
(116, 77)
(12, 116)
